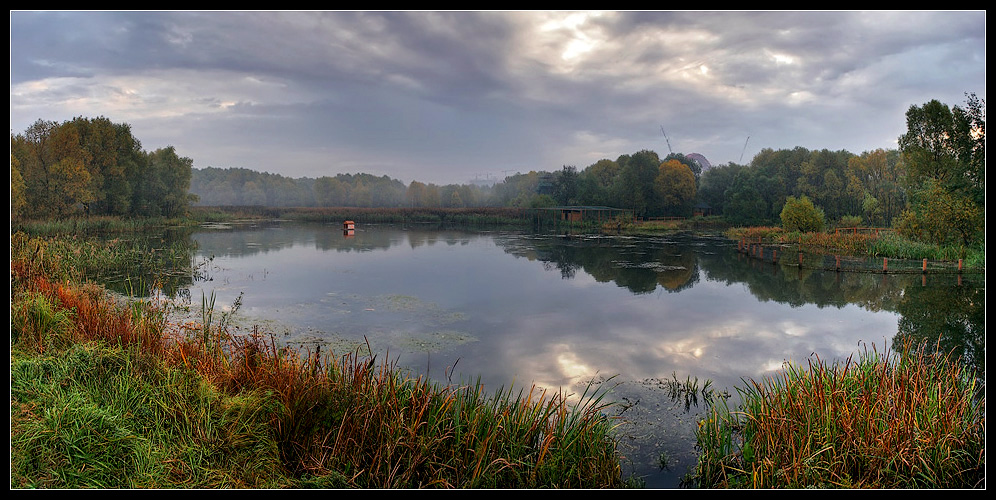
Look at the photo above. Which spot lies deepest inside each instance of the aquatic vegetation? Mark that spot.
(194, 406)
(886, 420)
(95, 225)
(437, 341)
(862, 242)
(140, 264)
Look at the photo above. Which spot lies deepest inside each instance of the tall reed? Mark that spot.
(80, 258)
(95, 225)
(914, 419)
(193, 405)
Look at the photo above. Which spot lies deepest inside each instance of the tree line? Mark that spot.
(670, 187)
(243, 187)
(931, 189)
(91, 166)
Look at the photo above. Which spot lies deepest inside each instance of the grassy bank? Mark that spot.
(886, 244)
(111, 395)
(95, 226)
(909, 420)
(653, 227)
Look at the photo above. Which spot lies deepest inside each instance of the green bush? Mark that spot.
(801, 215)
(850, 221)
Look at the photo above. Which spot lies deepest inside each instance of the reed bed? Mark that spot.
(893, 245)
(914, 419)
(650, 226)
(880, 244)
(755, 233)
(106, 394)
(814, 242)
(139, 263)
(95, 225)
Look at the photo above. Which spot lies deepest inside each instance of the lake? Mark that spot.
(641, 315)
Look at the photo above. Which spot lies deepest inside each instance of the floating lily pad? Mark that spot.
(437, 341)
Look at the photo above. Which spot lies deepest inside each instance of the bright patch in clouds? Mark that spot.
(783, 59)
(523, 90)
(571, 35)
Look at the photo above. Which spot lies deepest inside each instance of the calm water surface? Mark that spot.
(517, 309)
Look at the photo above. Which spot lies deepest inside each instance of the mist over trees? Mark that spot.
(641, 181)
(931, 189)
(872, 186)
(243, 187)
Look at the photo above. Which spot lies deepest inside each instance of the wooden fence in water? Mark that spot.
(795, 256)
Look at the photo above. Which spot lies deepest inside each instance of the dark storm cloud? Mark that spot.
(442, 96)
(61, 44)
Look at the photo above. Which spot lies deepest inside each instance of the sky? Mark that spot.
(464, 96)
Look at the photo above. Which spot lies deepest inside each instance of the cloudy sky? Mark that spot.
(456, 96)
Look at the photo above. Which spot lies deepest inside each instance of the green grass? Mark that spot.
(99, 416)
(913, 419)
(892, 245)
(96, 225)
(142, 262)
(653, 227)
(112, 395)
(885, 244)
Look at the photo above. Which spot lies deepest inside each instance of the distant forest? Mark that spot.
(932, 188)
(841, 183)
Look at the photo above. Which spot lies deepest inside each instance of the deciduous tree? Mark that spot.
(675, 187)
(799, 214)
(17, 195)
(634, 186)
(944, 152)
(566, 186)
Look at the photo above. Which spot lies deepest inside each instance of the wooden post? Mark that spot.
(838, 261)
(885, 265)
(924, 265)
(959, 266)
(774, 256)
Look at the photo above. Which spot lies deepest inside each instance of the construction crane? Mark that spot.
(744, 150)
(667, 140)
